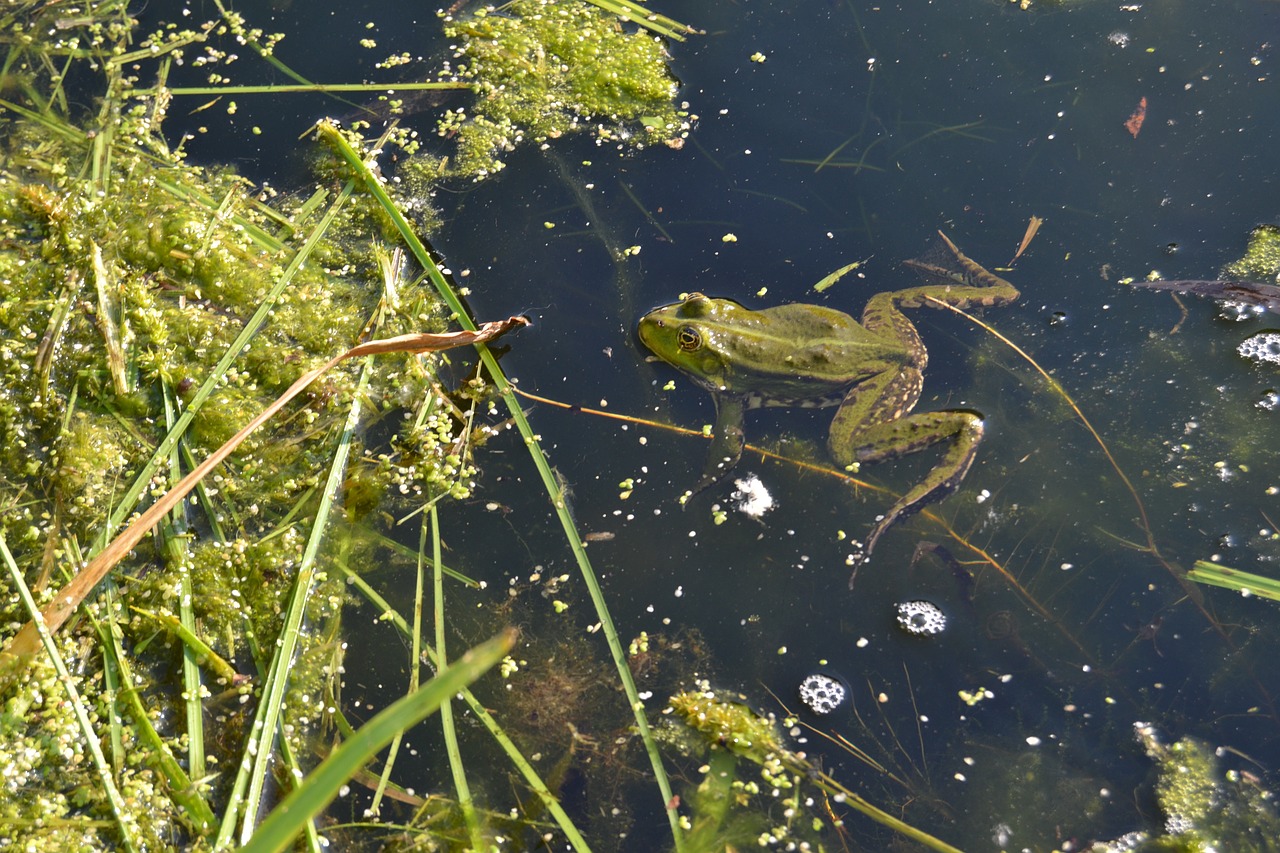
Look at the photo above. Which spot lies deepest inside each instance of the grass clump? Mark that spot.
(545, 68)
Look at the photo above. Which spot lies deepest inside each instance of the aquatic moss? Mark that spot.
(1204, 807)
(50, 797)
(1261, 261)
(125, 275)
(544, 68)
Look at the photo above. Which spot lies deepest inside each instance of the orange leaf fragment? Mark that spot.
(1134, 124)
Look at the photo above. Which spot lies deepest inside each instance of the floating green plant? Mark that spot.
(545, 68)
(726, 725)
(1206, 808)
(1261, 260)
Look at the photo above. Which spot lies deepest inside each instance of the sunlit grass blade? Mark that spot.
(177, 555)
(269, 717)
(295, 88)
(456, 766)
(24, 644)
(549, 800)
(573, 537)
(1247, 583)
(184, 793)
(310, 798)
(634, 12)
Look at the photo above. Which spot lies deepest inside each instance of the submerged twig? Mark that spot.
(1265, 296)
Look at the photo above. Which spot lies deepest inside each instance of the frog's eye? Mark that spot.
(689, 338)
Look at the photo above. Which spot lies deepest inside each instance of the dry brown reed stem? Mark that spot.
(27, 641)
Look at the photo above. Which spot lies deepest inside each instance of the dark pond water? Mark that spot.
(970, 117)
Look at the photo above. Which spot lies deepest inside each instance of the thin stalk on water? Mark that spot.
(335, 138)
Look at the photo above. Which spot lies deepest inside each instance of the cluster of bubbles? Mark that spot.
(1264, 346)
(921, 618)
(822, 694)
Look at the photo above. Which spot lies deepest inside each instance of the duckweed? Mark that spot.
(545, 68)
(1261, 261)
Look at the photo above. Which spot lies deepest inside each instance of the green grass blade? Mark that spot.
(310, 798)
(289, 89)
(531, 777)
(637, 14)
(1246, 583)
(178, 558)
(181, 789)
(460, 785)
(268, 717)
(142, 482)
(372, 183)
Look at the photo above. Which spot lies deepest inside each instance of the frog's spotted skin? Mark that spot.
(810, 355)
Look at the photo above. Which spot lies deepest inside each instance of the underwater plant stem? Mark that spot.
(531, 777)
(310, 798)
(1144, 522)
(849, 798)
(442, 658)
(335, 138)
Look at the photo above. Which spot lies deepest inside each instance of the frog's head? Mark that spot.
(684, 335)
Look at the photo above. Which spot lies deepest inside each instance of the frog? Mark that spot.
(809, 355)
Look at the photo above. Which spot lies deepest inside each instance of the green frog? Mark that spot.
(810, 355)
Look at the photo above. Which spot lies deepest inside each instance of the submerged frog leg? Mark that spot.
(964, 284)
(727, 442)
(916, 432)
(873, 424)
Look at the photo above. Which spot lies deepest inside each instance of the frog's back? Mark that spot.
(797, 351)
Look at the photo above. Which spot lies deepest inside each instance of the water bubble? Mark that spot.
(822, 694)
(921, 618)
(1262, 347)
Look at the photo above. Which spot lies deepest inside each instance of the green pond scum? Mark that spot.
(1205, 807)
(545, 68)
(1261, 261)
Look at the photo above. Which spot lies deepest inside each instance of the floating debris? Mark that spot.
(822, 694)
(1262, 347)
(1134, 124)
(751, 497)
(921, 618)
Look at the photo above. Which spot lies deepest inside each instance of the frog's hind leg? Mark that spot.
(962, 429)
(873, 424)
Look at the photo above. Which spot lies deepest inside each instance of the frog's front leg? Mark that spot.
(873, 424)
(727, 441)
